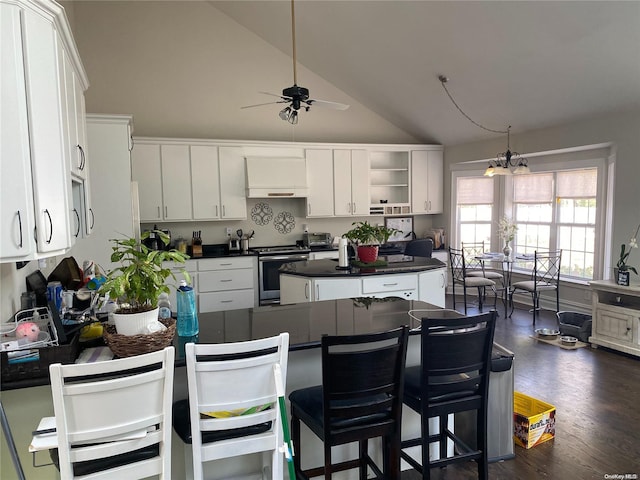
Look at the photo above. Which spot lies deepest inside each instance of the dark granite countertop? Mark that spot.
(305, 322)
(328, 267)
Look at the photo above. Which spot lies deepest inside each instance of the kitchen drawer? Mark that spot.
(325, 254)
(230, 300)
(389, 283)
(224, 263)
(220, 280)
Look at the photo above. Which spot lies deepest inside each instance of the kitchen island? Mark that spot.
(411, 278)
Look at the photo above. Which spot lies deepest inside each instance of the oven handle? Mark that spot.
(291, 258)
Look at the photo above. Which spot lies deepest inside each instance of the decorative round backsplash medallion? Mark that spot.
(261, 213)
(284, 222)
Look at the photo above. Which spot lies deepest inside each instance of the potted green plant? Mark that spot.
(138, 282)
(367, 238)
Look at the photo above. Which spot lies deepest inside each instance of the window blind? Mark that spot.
(577, 183)
(534, 188)
(475, 191)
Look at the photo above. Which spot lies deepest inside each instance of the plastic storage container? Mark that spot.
(164, 306)
(187, 312)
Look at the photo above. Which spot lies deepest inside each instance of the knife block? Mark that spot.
(196, 248)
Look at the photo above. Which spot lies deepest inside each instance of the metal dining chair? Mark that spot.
(545, 277)
(459, 276)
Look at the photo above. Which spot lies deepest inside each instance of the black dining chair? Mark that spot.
(459, 276)
(453, 377)
(422, 247)
(545, 277)
(360, 398)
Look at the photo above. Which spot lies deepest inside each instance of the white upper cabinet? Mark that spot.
(427, 181)
(320, 199)
(176, 182)
(16, 205)
(36, 160)
(232, 183)
(351, 182)
(217, 183)
(145, 169)
(205, 182)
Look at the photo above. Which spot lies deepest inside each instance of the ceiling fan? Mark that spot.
(296, 96)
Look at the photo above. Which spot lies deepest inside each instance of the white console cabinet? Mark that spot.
(616, 316)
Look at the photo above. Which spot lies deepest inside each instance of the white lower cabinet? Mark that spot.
(334, 288)
(428, 286)
(226, 283)
(432, 285)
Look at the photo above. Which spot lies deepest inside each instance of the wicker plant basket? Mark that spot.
(131, 345)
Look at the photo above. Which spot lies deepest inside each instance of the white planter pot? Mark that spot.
(134, 323)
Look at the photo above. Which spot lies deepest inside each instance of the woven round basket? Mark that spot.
(131, 345)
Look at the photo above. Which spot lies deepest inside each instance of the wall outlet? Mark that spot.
(228, 231)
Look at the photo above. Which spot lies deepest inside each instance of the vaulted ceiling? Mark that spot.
(529, 64)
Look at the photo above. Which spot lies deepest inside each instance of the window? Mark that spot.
(475, 204)
(556, 211)
(565, 203)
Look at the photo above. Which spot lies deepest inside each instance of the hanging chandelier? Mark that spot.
(506, 163)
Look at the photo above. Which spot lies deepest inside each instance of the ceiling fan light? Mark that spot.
(293, 118)
(522, 169)
(490, 171)
(285, 113)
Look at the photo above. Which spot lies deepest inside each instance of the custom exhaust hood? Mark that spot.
(284, 177)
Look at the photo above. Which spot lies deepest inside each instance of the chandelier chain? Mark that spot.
(444, 80)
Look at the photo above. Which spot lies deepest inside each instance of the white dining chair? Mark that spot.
(232, 409)
(113, 418)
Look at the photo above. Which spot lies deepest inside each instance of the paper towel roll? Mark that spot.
(343, 258)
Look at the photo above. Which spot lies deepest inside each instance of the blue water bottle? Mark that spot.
(187, 314)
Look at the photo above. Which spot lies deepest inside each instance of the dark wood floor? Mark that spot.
(596, 393)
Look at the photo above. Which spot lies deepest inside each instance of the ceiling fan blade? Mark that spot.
(288, 99)
(326, 104)
(267, 103)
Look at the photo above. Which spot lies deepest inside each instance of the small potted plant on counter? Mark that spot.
(368, 237)
(138, 282)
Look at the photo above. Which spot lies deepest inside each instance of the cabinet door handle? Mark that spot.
(93, 218)
(442, 278)
(166, 212)
(426, 208)
(308, 209)
(226, 280)
(226, 301)
(390, 284)
(20, 229)
(216, 210)
(78, 220)
(306, 291)
(429, 205)
(224, 211)
(158, 211)
(83, 159)
(50, 226)
(317, 292)
(225, 264)
(355, 209)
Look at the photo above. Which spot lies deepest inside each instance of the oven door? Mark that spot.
(269, 275)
